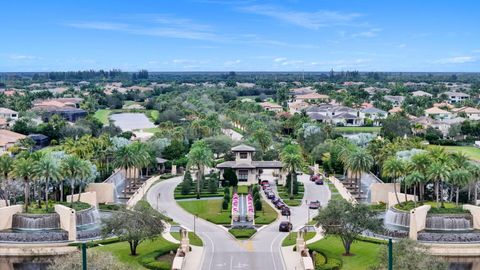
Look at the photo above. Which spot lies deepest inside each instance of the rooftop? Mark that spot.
(243, 148)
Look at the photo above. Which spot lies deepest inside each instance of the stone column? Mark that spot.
(174, 169)
(185, 241)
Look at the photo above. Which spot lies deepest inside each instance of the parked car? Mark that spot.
(319, 181)
(264, 186)
(276, 200)
(267, 190)
(314, 205)
(279, 205)
(314, 177)
(271, 195)
(264, 182)
(285, 226)
(285, 211)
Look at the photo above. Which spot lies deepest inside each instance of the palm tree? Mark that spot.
(420, 163)
(475, 171)
(125, 159)
(85, 175)
(6, 165)
(292, 159)
(395, 168)
(199, 156)
(439, 173)
(72, 169)
(359, 161)
(459, 178)
(414, 179)
(47, 169)
(23, 168)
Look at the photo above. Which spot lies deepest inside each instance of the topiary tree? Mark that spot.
(225, 204)
(258, 205)
(213, 184)
(187, 183)
(230, 175)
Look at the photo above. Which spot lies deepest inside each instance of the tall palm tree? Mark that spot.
(438, 172)
(199, 156)
(395, 168)
(292, 159)
(85, 175)
(475, 171)
(125, 159)
(459, 178)
(6, 165)
(72, 169)
(47, 169)
(359, 161)
(413, 179)
(420, 163)
(23, 168)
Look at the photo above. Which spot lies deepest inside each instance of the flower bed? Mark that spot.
(235, 207)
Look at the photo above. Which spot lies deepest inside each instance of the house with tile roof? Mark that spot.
(470, 112)
(8, 139)
(437, 113)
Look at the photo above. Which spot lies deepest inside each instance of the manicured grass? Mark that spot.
(285, 195)
(291, 239)
(77, 206)
(267, 215)
(194, 239)
(242, 189)
(152, 130)
(336, 196)
(357, 129)
(292, 202)
(103, 115)
(152, 114)
(210, 210)
(242, 233)
(450, 208)
(379, 207)
(365, 253)
(148, 252)
(470, 151)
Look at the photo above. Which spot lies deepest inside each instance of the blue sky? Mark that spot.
(216, 35)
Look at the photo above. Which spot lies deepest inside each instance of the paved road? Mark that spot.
(221, 250)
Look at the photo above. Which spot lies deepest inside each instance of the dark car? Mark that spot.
(319, 181)
(271, 195)
(285, 226)
(280, 205)
(314, 205)
(265, 186)
(267, 190)
(314, 177)
(264, 182)
(276, 200)
(285, 211)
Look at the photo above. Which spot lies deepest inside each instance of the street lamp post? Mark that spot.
(84, 256)
(390, 254)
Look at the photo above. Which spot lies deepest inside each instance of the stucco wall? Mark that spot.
(475, 211)
(6, 214)
(418, 220)
(68, 220)
(392, 199)
(138, 195)
(342, 190)
(3, 203)
(86, 197)
(105, 192)
(454, 250)
(379, 191)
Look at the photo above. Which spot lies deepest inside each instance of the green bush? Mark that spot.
(322, 262)
(150, 261)
(242, 233)
(258, 205)
(224, 204)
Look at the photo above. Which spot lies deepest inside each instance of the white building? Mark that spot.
(471, 113)
(336, 115)
(421, 94)
(6, 114)
(437, 113)
(247, 170)
(454, 97)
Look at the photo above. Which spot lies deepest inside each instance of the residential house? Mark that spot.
(268, 106)
(395, 110)
(395, 100)
(8, 114)
(59, 102)
(421, 94)
(376, 115)
(445, 125)
(471, 113)
(373, 90)
(8, 139)
(247, 170)
(70, 114)
(311, 98)
(455, 97)
(302, 90)
(437, 113)
(336, 115)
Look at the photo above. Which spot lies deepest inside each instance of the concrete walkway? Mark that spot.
(293, 260)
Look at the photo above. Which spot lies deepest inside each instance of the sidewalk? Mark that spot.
(193, 258)
(293, 260)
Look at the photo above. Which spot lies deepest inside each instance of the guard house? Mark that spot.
(249, 171)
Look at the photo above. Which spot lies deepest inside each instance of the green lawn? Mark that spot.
(148, 252)
(357, 129)
(291, 239)
(242, 233)
(103, 115)
(152, 114)
(194, 239)
(285, 195)
(210, 210)
(472, 152)
(77, 206)
(365, 253)
(267, 215)
(242, 189)
(152, 130)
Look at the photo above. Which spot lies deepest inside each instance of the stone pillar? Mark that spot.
(185, 241)
(174, 169)
(301, 244)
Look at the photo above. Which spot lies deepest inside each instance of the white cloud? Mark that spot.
(232, 63)
(310, 20)
(279, 59)
(457, 60)
(369, 33)
(21, 57)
